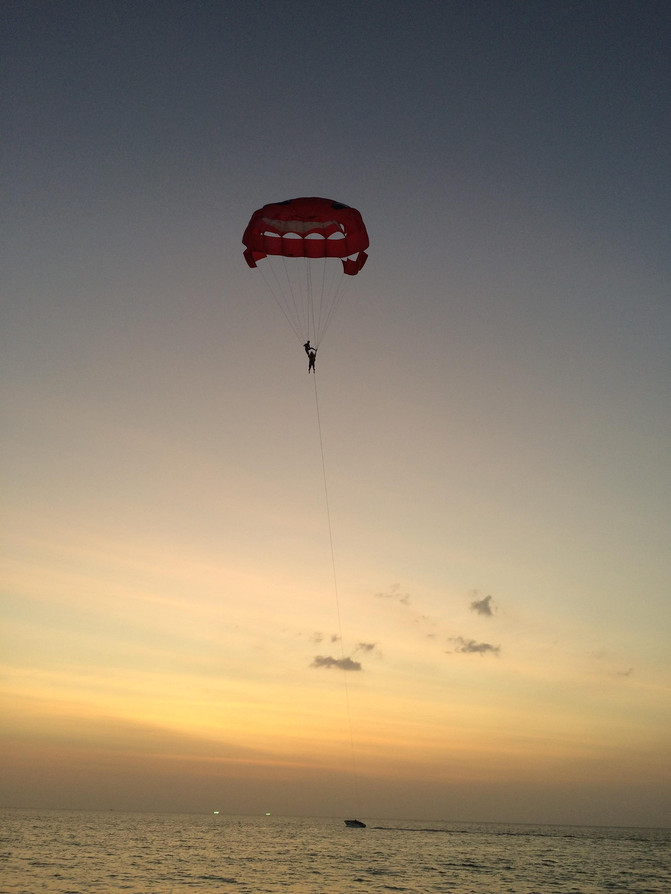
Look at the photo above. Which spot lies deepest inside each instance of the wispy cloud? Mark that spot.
(319, 637)
(345, 664)
(394, 593)
(365, 647)
(471, 647)
(482, 606)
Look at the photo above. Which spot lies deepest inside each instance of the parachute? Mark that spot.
(308, 249)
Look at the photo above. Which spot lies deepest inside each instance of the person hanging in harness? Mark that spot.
(312, 356)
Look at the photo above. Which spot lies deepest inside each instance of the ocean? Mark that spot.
(71, 852)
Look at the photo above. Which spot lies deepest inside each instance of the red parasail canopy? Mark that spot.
(307, 228)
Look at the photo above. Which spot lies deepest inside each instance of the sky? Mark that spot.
(471, 620)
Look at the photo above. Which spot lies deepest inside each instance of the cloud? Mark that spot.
(345, 664)
(625, 673)
(318, 637)
(368, 649)
(482, 606)
(394, 592)
(469, 646)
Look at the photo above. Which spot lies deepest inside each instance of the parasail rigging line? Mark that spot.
(334, 295)
(276, 290)
(307, 291)
(337, 600)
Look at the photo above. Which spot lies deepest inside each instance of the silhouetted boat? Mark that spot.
(355, 824)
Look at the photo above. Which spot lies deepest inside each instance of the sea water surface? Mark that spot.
(69, 852)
